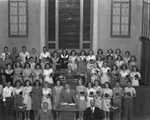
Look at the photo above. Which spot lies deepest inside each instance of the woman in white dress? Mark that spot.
(135, 76)
(107, 95)
(126, 58)
(124, 74)
(91, 92)
(47, 94)
(100, 61)
(27, 92)
(48, 74)
(73, 60)
(119, 61)
(105, 73)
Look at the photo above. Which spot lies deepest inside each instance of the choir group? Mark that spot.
(29, 80)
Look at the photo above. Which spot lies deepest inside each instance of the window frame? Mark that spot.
(129, 20)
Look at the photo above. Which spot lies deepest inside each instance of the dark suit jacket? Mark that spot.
(44, 116)
(68, 97)
(97, 115)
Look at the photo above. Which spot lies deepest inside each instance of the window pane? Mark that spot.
(69, 24)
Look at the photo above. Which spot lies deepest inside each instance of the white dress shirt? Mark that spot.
(3, 55)
(23, 56)
(45, 55)
(7, 92)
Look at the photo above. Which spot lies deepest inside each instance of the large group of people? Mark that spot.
(33, 82)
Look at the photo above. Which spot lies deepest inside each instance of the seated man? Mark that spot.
(93, 113)
(44, 113)
(67, 95)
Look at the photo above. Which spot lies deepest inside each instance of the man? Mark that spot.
(67, 95)
(24, 55)
(45, 54)
(14, 55)
(44, 113)
(3, 55)
(93, 113)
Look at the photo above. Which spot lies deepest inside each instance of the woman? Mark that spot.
(91, 92)
(126, 58)
(110, 52)
(82, 66)
(119, 61)
(135, 76)
(129, 95)
(37, 73)
(56, 94)
(36, 97)
(107, 95)
(132, 62)
(105, 73)
(110, 61)
(73, 60)
(27, 92)
(117, 53)
(114, 75)
(18, 99)
(124, 74)
(18, 72)
(47, 94)
(8, 74)
(81, 98)
(117, 100)
(48, 74)
(100, 54)
(100, 61)
(27, 73)
(55, 61)
(64, 59)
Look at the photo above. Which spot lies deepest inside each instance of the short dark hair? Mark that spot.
(24, 47)
(118, 50)
(83, 51)
(37, 81)
(72, 52)
(99, 51)
(108, 85)
(26, 82)
(17, 82)
(27, 64)
(120, 57)
(89, 83)
(5, 47)
(38, 65)
(9, 64)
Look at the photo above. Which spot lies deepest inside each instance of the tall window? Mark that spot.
(69, 23)
(17, 16)
(120, 18)
(146, 19)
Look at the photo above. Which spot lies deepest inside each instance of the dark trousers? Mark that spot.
(128, 109)
(9, 108)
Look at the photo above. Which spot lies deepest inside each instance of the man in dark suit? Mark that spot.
(44, 113)
(67, 95)
(93, 113)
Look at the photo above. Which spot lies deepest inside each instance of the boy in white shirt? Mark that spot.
(4, 53)
(45, 54)
(24, 55)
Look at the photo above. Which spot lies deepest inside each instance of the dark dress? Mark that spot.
(36, 98)
(64, 61)
(9, 76)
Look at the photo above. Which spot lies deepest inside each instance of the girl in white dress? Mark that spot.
(105, 73)
(124, 74)
(100, 61)
(107, 95)
(27, 92)
(135, 76)
(119, 61)
(47, 94)
(73, 60)
(91, 92)
(48, 74)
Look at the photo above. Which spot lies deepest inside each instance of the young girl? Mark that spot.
(27, 73)
(48, 74)
(105, 73)
(117, 52)
(117, 100)
(36, 97)
(47, 94)
(18, 100)
(18, 72)
(100, 61)
(129, 95)
(114, 75)
(55, 61)
(132, 62)
(56, 94)
(8, 74)
(126, 58)
(73, 60)
(27, 92)
(37, 73)
(135, 76)
(124, 75)
(119, 61)
(91, 92)
(81, 98)
(64, 59)
(100, 54)
(107, 95)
